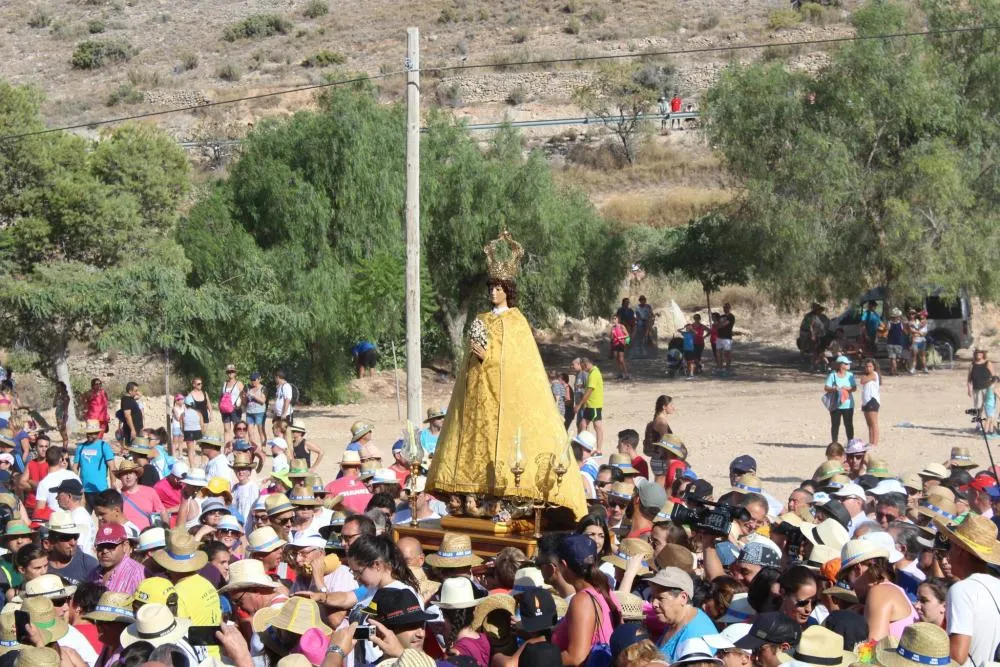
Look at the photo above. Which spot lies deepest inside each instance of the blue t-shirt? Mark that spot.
(872, 322)
(895, 335)
(688, 340)
(93, 459)
(362, 347)
(428, 440)
(846, 382)
(590, 469)
(699, 626)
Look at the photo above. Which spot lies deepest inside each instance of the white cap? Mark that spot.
(888, 486)
(820, 498)
(726, 640)
(179, 469)
(851, 490)
(856, 446)
(587, 440)
(7, 457)
(885, 541)
(196, 477)
(385, 476)
(278, 442)
(309, 542)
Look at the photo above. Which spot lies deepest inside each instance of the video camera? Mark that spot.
(709, 517)
(793, 540)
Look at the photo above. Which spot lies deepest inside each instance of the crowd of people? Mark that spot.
(116, 554)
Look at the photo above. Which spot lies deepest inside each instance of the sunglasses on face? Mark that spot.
(284, 522)
(59, 602)
(855, 456)
(229, 531)
(618, 504)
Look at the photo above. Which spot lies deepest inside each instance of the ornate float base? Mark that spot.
(486, 542)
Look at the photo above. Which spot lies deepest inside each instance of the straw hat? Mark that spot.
(196, 477)
(8, 632)
(126, 467)
(63, 523)
(113, 608)
(32, 656)
(961, 458)
(838, 481)
(631, 547)
(303, 496)
(665, 511)
(294, 660)
(369, 468)
(140, 446)
(210, 441)
(48, 586)
(426, 587)
(621, 491)
(630, 605)
(934, 471)
(298, 427)
(435, 413)
(922, 644)
(818, 646)
(859, 551)
(913, 483)
(673, 446)
(676, 555)
(359, 429)
(879, 468)
(820, 555)
(299, 468)
(938, 505)
(242, 461)
(43, 616)
(829, 532)
(977, 535)
(528, 578)
(296, 616)
(829, 469)
(152, 538)
(156, 624)
(486, 608)
(747, 483)
(181, 553)
(457, 593)
(277, 503)
(17, 528)
(350, 459)
(624, 463)
(412, 657)
(265, 540)
(247, 573)
(842, 591)
(92, 426)
(455, 551)
(157, 590)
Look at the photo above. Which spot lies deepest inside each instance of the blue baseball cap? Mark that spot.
(626, 635)
(398, 445)
(993, 492)
(255, 375)
(577, 550)
(743, 463)
(690, 474)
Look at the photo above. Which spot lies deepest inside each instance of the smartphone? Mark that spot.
(21, 621)
(203, 635)
(364, 633)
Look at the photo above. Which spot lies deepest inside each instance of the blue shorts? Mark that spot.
(919, 345)
(233, 417)
(256, 418)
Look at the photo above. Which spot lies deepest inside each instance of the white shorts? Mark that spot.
(894, 351)
(724, 344)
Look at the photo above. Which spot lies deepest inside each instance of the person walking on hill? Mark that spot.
(675, 108)
(620, 340)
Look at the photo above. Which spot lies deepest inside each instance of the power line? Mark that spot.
(713, 49)
(150, 114)
(523, 63)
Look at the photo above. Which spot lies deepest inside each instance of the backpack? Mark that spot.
(226, 406)
(295, 394)
(600, 653)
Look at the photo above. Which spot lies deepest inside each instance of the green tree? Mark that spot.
(877, 180)
(709, 249)
(619, 94)
(83, 231)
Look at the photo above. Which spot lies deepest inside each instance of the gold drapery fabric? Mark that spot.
(492, 398)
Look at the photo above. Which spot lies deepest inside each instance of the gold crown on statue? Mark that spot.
(503, 269)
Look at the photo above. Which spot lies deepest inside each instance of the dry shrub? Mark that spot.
(675, 208)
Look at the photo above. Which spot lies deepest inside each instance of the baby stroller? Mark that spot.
(675, 356)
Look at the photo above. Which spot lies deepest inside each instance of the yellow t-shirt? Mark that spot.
(595, 382)
(199, 601)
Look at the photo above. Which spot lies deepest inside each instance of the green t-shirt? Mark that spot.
(595, 382)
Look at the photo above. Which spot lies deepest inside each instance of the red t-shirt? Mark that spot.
(169, 496)
(89, 630)
(37, 469)
(640, 464)
(674, 469)
(675, 104)
(355, 493)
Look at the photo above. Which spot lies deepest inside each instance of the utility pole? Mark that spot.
(413, 365)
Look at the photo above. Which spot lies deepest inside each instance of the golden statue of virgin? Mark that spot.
(502, 408)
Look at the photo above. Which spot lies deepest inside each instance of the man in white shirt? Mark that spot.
(217, 464)
(974, 602)
(424, 510)
(45, 494)
(283, 408)
(852, 497)
(69, 498)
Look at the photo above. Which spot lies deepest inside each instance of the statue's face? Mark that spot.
(497, 296)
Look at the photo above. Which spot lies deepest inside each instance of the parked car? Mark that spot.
(949, 319)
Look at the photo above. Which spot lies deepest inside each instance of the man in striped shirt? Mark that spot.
(116, 571)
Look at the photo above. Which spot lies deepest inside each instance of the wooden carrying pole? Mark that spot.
(413, 388)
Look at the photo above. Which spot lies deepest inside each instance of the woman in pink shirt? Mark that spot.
(593, 614)
(97, 405)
